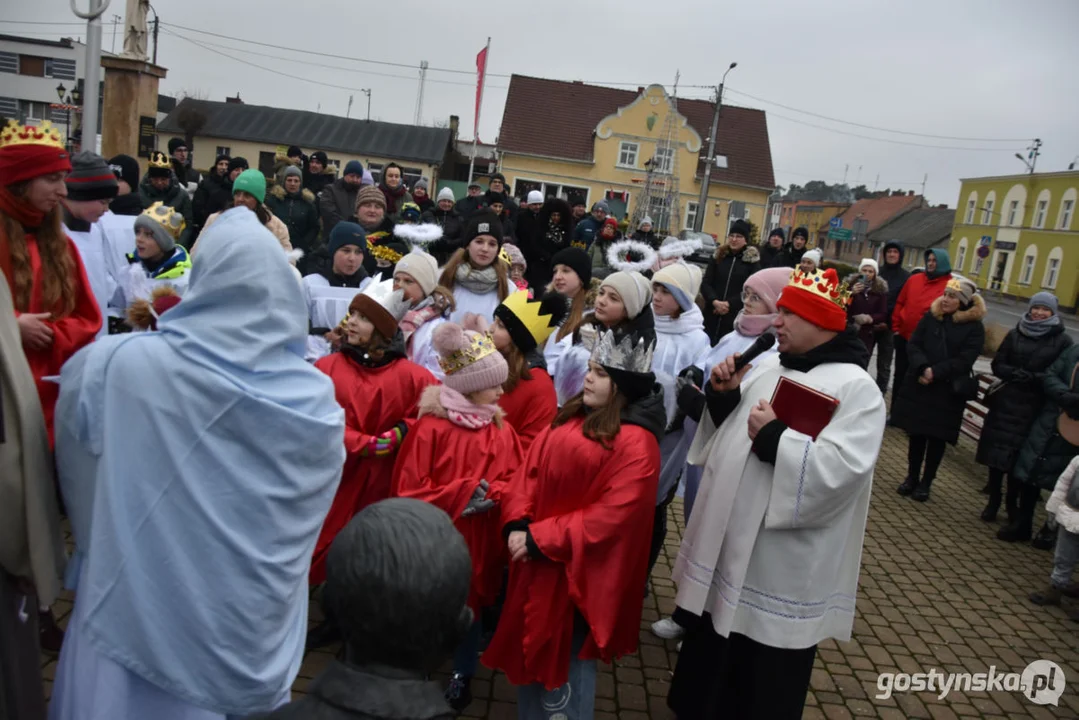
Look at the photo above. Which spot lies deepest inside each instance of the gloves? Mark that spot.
(690, 399)
(479, 502)
(694, 374)
(386, 443)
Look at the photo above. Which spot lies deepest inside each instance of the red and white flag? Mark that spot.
(481, 72)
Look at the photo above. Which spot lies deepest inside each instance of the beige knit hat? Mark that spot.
(422, 267)
(633, 288)
(682, 280)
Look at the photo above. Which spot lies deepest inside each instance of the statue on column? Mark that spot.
(135, 34)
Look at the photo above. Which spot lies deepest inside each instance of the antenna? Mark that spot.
(419, 98)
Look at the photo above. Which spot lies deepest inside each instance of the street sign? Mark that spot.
(147, 135)
(986, 241)
(983, 251)
(840, 234)
(1006, 246)
(836, 222)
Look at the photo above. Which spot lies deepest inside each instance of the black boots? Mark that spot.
(1045, 539)
(459, 692)
(1019, 529)
(921, 493)
(907, 487)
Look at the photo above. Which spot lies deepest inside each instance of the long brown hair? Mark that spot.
(58, 266)
(518, 365)
(449, 273)
(601, 424)
(581, 301)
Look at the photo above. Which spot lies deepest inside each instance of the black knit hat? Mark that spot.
(238, 163)
(294, 151)
(320, 157)
(91, 178)
(484, 222)
(801, 232)
(740, 227)
(497, 176)
(577, 260)
(575, 200)
(126, 168)
(777, 231)
(222, 156)
(491, 196)
(175, 144)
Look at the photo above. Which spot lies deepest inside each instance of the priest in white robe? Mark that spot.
(769, 564)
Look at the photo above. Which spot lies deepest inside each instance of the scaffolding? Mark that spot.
(660, 197)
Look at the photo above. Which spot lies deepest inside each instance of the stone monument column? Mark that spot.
(129, 113)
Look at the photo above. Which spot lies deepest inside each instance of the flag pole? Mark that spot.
(479, 103)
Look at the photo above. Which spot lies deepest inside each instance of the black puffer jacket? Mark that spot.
(723, 280)
(1046, 453)
(775, 257)
(214, 194)
(949, 345)
(546, 240)
(1021, 363)
(647, 412)
(894, 275)
(452, 225)
(298, 212)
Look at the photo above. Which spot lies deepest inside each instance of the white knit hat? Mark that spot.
(871, 263)
(534, 197)
(813, 255)
(682, 280)
(633, 288)
(420, 266)
(446, 194)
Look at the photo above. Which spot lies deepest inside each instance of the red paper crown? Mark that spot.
(818, 297)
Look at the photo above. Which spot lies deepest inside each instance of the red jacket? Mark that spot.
(442, 463)
(591, 511)
(374, 400)
(531, 407)
(914, 300)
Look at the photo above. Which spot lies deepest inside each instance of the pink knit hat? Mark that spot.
(768, 284)
(469, 359)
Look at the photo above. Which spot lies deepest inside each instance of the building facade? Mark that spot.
(810, 214)
(570, 139)
(1017, 234)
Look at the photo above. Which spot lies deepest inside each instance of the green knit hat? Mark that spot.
(251, 181)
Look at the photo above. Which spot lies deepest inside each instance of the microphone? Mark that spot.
(760, 345)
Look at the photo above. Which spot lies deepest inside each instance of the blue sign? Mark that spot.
(836, 222)
(986, 241)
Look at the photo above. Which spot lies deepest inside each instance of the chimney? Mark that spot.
(234, 100)
(910, 193)
(640, 89)
(942, 206)
(455, 123)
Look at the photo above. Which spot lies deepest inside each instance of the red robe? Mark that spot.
(70, 333)
(530, 407)
(591, 512)
(374, 400)
(442, 463)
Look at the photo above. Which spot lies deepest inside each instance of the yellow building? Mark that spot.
(1018, 235)
(568, 138)
(258, 134)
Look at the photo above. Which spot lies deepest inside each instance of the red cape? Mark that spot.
(70, 333)
(591, 512)
(442, 463)
(374, 400)
(531, 407)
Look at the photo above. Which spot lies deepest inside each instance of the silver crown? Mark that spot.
(625, 354)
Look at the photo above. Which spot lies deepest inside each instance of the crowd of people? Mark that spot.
(459, 426)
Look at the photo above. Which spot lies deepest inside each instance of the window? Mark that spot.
(1052, 268)
(223, 150)
(58, 116)
(961, 254)
(987, 209)
(32, 65)
(691, 214)
(521, 188)
(627, 154)
(1029, 259)
(59, 69)
(9, 62)
(1039, 214)
(664, 160)
(970, 211)
(1013, 210)
(29, 110)
(977, 266)
(660, 211)
(1067, 208)
(266, 163)
(376, 171)
(9, 107)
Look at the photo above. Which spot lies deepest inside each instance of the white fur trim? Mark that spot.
(294, 255)
(679, 248)
(617, 250)
(419, 234)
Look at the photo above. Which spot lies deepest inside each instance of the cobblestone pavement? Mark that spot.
(937, 591)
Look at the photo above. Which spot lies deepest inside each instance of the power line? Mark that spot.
(874, 127)
(35, 22)
(884, 140)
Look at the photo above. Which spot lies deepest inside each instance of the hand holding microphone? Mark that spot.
(727, 375)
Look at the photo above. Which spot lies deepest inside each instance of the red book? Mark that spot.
(802, 408)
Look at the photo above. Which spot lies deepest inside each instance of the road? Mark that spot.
(1008, 312)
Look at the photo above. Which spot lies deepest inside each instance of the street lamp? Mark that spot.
(698, 223)
(71, 102)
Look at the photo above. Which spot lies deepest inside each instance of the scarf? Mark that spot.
(392, 195)
(19, 210)
(1036, 329)
(463, 412)
(359, 355)
(429, 309)
(478, 281)
(753, 325)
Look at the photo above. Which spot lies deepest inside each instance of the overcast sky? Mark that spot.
(989, 69)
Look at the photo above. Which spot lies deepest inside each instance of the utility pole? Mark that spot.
(706, 175)
(419, 98)
(157, 23)
(348, 113)
(367, 92)
(876, 182)
(925, 179)
(115, 20)
(92, 97)
(846, 169)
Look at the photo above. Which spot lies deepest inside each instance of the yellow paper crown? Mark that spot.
(167, 217)
(824, 284)
(954, 284)
(160, 160)
(480, 346)
(382, 252)
(505, 256)
(527, 312)
(16, 134)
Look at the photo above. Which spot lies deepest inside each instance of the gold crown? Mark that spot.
(527, 312)
(16, 134)
(167, 217)
(824, 284)
(382, 252)
(954, 284)
(480, 346)
(160, 160)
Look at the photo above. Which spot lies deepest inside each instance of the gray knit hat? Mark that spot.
(1044, 299)
(91, 178)
(293, 170)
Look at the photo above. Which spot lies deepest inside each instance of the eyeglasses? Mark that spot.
(750, 296)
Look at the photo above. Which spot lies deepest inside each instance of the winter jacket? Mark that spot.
(317, 182)
(598, 252)
(175, 197)
(775, 257)
(894, 275)
(1021, 363)
(466, 206)
(546, 240)
(129, 205)
(1045, 453)
(873, 301)
(1063, 502)
(586, 231)
(184, 173)
(949, 345)
(649, 238)
(298, 212)
(395, 199)
(452, 227)
(348, 692)
(723, 280)
(795, 255)
(525, 228)
(336, 202)
(214, 194)
(425, 205)
(918, 295)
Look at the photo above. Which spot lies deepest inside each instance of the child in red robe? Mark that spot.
(55, 307)
(579, 525)
(461, 457)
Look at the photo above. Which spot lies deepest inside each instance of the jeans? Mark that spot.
(885, 350)
(1066, 559)
(467, 655)
(575, 700)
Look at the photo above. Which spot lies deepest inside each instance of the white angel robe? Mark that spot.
(327, 306)
(100, 271)
(466, 301)
(773, 552)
